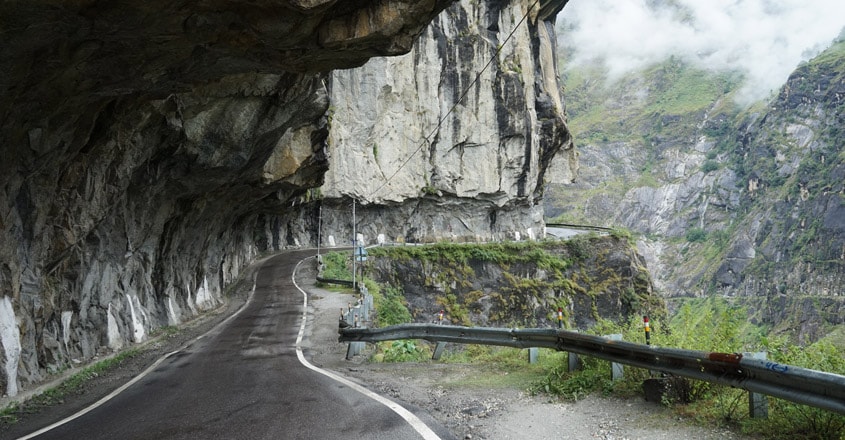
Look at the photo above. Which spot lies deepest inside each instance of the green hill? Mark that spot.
(745, 203)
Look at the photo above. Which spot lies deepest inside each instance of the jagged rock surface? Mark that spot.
(605, 279)
(150, 150)
(437, 144)
(769, 210)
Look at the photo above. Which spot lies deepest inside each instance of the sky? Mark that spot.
(766, 39)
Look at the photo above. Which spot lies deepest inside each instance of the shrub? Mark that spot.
(696, 235)
(405, 350)
(335, 266)
(391, 307)
(709, 166)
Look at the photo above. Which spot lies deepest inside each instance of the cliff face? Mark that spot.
(745, 205)
(151, 151)
(787, 254)
(148, 150)
(454, 139)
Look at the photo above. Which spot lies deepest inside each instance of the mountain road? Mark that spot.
(247, 379)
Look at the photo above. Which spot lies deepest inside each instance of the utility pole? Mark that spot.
(354, 247)
(319, 227)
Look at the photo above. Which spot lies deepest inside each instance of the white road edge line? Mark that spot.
(409, 417)
(149, 369)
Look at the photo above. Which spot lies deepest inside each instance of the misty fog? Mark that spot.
(765, 39)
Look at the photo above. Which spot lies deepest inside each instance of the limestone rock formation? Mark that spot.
(454, 139)
(152, 150)
(148, 149)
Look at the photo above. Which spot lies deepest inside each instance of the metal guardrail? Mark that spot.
(801, 385)
(347, 283)
(582, 227)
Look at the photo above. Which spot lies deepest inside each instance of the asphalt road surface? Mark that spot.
(244, 380)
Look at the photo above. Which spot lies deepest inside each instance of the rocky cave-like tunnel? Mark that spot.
(148, 149)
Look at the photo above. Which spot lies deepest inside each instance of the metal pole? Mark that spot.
(354, 247)
(647, 328)
(319, 227)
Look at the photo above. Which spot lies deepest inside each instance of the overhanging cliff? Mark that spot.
(147, 147)
(151, 151)
(453, 140)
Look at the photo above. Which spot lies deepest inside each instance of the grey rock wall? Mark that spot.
(145, 223)
(151, 150)
(456, 138)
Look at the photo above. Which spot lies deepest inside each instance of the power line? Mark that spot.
(439, 122)
(461, 98)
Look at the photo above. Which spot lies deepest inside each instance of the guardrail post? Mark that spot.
(353, 349)
(617, 371)
(574, 362)
(438, 350)
(532, 355)
(758, 404)
(365, 312)
(347, 316)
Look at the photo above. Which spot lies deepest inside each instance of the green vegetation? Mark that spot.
(336, 266)
(401, 351)
(389, 301)
(665, 99)
(696, 235)
(533, 279)
(72, 385)
(709, 166)
(711, 325)
(499, 253)
(391, 307)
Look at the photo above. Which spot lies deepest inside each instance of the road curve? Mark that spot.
(243, 380)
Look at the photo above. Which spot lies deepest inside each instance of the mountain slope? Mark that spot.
(747, 204)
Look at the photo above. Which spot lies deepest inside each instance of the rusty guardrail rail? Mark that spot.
(801, 385)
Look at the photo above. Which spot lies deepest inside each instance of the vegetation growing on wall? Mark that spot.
(519, 284)
(709, 325)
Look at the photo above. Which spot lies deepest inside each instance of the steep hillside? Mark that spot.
(747, 205)
(648, 150)
(789, 246)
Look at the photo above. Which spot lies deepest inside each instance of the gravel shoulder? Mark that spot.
(450, 393)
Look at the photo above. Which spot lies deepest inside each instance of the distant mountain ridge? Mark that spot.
(745, 204)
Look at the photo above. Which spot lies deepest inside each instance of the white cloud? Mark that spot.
(766, 39)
